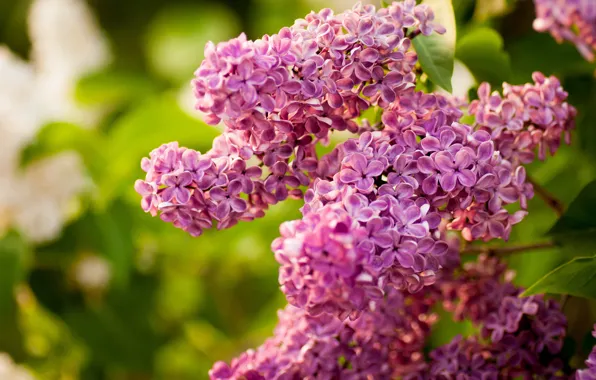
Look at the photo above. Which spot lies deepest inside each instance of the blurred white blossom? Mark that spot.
(66, 44)
(92, 273)
(9, 370)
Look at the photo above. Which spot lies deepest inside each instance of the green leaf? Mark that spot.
(57, 137)
(154, 122)
(578, 221)
(111, 87)
(576, 277)
(436, 52)
(481, 50)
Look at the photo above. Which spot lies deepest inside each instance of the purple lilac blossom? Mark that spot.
(571, 20)
(277, 97)
(403, 188)
(386, 342)
(525, 118)
(590, 372)
(523, 337)
(380, 208)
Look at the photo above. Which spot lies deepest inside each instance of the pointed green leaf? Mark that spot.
(436, 52)
(576, 277)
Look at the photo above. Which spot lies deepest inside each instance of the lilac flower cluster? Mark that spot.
(519, 337)
(524, 336)
(277, 97)
(282, 94)
(316, 75)
(525, 118)
(401, 188)
(383, 212)
(590, 372)
(571, 20)
(381, 344)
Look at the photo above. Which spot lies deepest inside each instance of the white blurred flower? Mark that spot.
(9, 370)
(42, 194)
(66, 44)
(20, 104)
(92, 273)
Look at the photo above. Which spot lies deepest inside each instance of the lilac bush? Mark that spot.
(385, 212)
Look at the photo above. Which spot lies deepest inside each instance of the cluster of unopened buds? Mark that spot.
(378, 243)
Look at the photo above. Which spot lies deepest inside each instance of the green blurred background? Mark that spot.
(120, 295)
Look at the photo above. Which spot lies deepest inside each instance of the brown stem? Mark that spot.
(564, 299)
(413, 34)
(507, 250)
(548, 198)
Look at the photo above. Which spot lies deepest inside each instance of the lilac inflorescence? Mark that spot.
(277, 97)
(406, 185)
(518, 337)
(525, 118)
(282, 94)
(523, 337)
(383, 343)
(570, 20)
(383, 212)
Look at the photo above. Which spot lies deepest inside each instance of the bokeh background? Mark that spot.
(93, 288)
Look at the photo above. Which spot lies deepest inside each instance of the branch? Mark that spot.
(507, 250)
(563, 301)
(547, 197)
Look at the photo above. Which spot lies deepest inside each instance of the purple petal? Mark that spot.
(430, 185)
(167, 194)
(375, 168)
(430, 144)
(448, 181)
(466, 177)
(222, 210)
(365, 184)
(444, 162)
(369, 55)
(426, 164)
(349, 176)
(485, 150)
(393, 78)
(388, 94)
(238, 205)
(462, 159)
